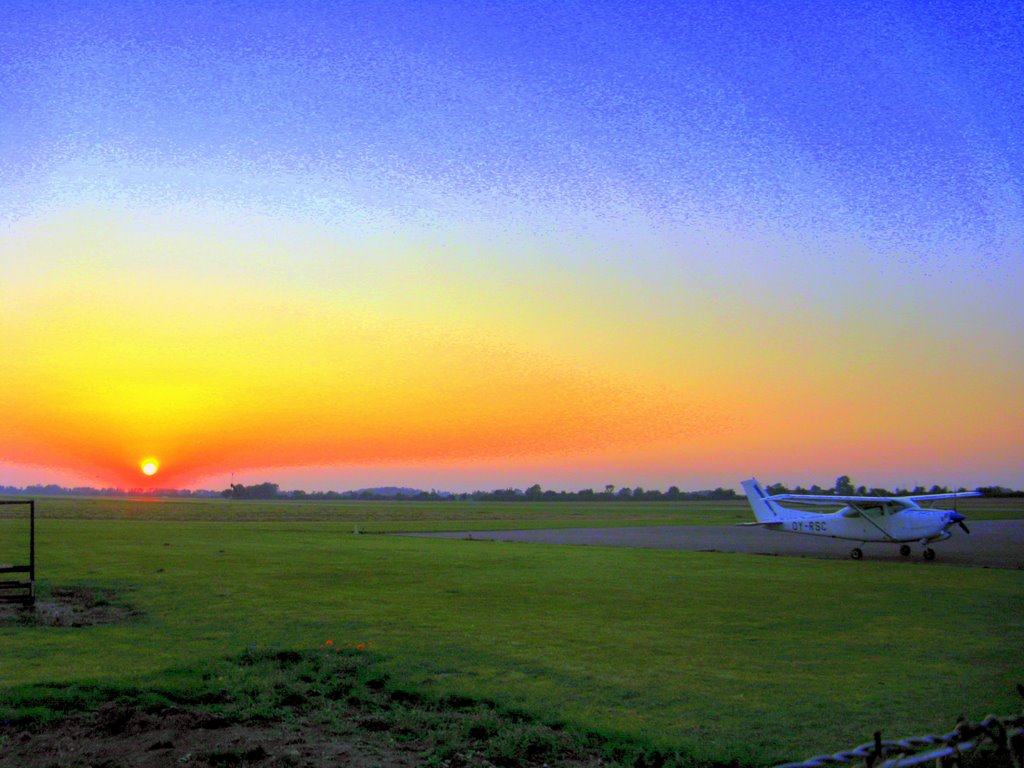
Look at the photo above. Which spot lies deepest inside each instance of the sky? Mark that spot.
(465, 245)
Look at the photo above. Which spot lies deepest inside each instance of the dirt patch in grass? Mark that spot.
(118, 735)
(274, 709)
(73, 606)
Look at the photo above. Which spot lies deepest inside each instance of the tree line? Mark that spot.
(52, 489)
(533, 493)
(843, 486)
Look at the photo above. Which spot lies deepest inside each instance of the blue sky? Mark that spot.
(770, 116)
(611, 185)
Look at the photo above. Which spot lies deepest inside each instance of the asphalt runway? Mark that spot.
(991, 543)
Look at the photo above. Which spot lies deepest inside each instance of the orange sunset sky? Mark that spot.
(475, 250)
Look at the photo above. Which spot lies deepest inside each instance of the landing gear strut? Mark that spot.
(856, 553)
(929, 553)
(905, 550)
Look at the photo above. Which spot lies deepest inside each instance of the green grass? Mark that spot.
(722, 656)
(328, 694)
(394, 516)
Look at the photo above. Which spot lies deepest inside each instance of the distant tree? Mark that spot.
(609, 489)
(673, 492)
(844, 486)
(264, 491)
(261, 491)
(624, 493)
(534, 492)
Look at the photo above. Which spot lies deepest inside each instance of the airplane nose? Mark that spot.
(956, 517)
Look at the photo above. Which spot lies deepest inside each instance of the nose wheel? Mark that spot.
(929, 553)
(856, 553)
(905, 550)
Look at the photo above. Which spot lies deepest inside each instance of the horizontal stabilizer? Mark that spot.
(774, 524)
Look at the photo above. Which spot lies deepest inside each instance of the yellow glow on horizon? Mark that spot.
(269, 379)
(128, 338)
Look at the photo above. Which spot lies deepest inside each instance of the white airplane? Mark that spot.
(889, 519)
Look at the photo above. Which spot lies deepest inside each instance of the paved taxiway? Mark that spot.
(991, 544)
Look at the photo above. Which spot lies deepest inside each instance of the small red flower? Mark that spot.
(361, 647)
(329, 642)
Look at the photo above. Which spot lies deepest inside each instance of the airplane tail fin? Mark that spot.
(765, 511)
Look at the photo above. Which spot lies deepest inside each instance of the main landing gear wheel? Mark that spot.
(905, 550)
(929, 553)
(856, 553)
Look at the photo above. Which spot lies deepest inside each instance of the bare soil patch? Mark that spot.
(71, 606)
(271, 709)
(119, 736)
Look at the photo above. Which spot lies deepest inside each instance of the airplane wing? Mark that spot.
(937, 496)
(858, 504)
(853, 506)
(863, 502)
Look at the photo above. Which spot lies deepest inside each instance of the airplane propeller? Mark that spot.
(956, 517)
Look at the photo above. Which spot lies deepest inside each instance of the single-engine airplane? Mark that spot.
(890, 519)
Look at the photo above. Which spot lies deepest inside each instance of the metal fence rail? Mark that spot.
(1003, 736)
(17, 589)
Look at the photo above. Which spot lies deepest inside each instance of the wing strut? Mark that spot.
(880, 528)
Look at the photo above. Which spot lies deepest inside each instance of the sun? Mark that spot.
(150, 466)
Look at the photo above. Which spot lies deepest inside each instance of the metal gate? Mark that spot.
(14, 586)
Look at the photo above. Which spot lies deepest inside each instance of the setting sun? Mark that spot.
(150, 466)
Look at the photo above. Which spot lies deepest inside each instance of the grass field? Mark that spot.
(394, 516)
(725, 657)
